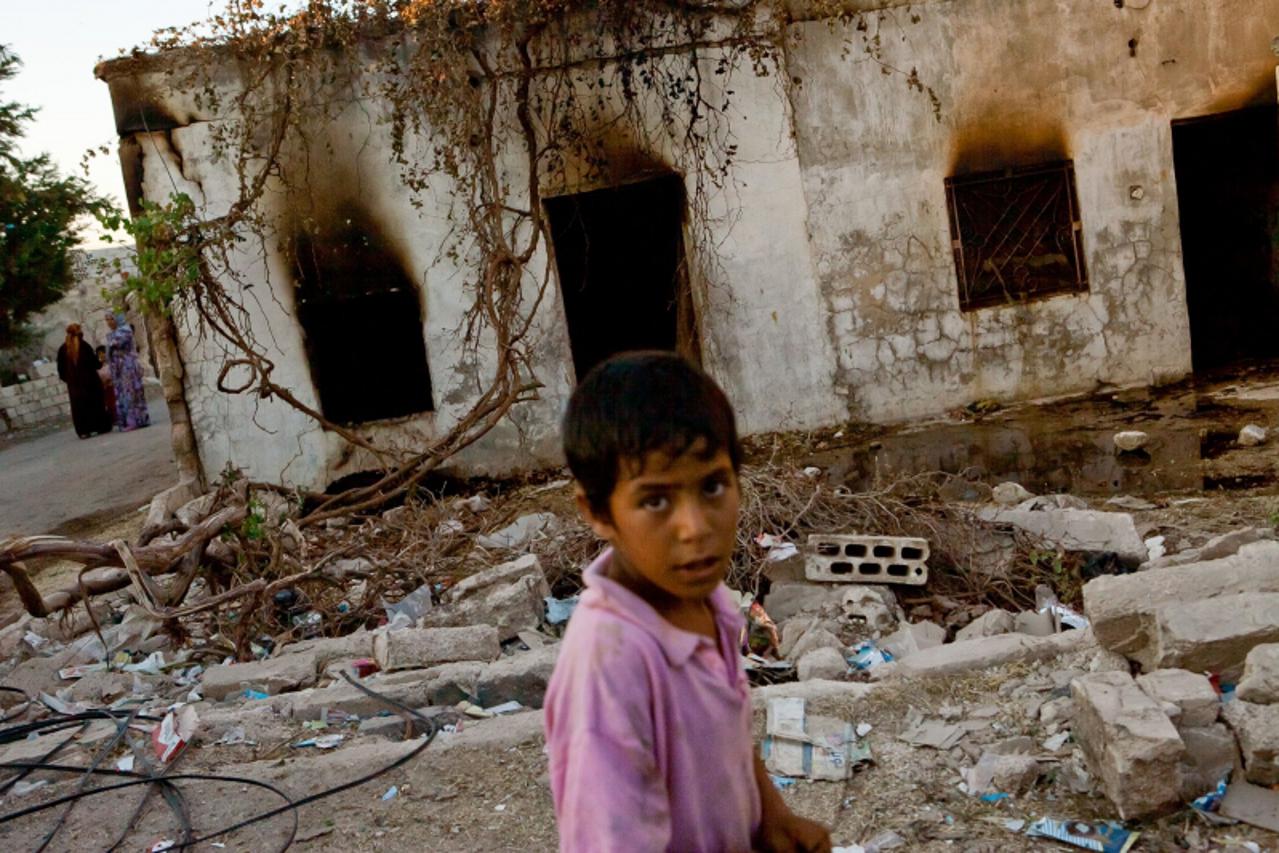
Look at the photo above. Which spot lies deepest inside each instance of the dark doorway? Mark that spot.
(620, 253)
(362, 320)
(1228, 192)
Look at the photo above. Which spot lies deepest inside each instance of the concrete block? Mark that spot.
(519, 678)
(511, 597)
(1211, 754)
(409, 688)
(786, 600)
(1214, 635)
(1002, 773)
(913, 638)
(272, 676)
(450, 683)
(418, 648)
(1190, 697)
(989, 624)
(832, 558)
(1086, 530)
(394, 726)
(1257, 728)
(332, 650)
(984, 653)
(825, 663)
(1122, 608)
(1214, 549)
(1129, 744)
(1034, 624)
(816, 637)
(1260, 682)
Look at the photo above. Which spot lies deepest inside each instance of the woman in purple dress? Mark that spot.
(126, 375)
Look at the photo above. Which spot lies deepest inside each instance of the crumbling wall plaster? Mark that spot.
(1016, 84)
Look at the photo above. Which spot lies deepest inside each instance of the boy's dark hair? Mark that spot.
(634, 404)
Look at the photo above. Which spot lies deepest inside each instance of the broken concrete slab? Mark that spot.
(875, 607)
(403, 727)
(1188, 696)
(1257, 727)
(816, 637)
(811, 691)
(1010, 494)
(989, 624)
(1129, 744)
(1214, 635)
(409, 687)
(983, 653)
(329, 650)
(825, 663)
(1121, 608)
(1214, 549)
(418, 648)
(1086, 530)
(1260, 682)
(791, 631)
(1008, 773)
(1211, 754)
(912, 638)
(271, 676)
(519, 678)
(786, 600)
(1034, 624)
(511, 596)
(1251, 804)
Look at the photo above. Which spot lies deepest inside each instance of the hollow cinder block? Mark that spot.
(837, 558)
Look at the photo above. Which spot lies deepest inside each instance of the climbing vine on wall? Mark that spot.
(486, 103)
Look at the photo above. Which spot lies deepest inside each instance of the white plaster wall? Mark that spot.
(1017, 83)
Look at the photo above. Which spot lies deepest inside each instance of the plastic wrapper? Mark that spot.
(1104, 837)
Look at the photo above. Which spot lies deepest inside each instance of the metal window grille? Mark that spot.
(1016, 235)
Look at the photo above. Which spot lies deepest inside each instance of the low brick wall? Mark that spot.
(35, 403)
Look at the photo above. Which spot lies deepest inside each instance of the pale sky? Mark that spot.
(59, 42)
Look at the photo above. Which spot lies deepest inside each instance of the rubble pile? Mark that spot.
(1151, 687)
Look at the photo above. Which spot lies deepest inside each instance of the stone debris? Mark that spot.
(1211, 755)
(1260, 682)
(1252, 436)
(271, 676)
(1122, 609)
(873, 606)
(417, 648)
(1214, 635)
(1186, 697)
(1129, 743)
(984, 653)
(1085, 530)
(816, 637)
(1257, 727)
(511, 597)
(1214, 549)
(1010, 494)
(989, 624)
(787, 599)
(1004, 773)
(912, 638)
(827, 663)
(1130, 441)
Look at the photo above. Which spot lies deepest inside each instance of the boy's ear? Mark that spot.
(602, 526)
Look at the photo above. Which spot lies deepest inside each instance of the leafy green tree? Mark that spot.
(39, 209)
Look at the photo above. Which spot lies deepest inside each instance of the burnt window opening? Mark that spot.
(1227, 169)
(362, 320)
(623, 272)
(1016, 235)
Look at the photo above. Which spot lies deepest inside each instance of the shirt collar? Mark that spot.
(677, 644)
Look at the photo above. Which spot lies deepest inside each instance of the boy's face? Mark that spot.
(672, 525)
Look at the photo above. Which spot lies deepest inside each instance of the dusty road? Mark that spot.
(46, 483)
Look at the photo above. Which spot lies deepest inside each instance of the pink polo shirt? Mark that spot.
(648, 728)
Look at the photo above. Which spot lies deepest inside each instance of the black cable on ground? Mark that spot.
(166, 782)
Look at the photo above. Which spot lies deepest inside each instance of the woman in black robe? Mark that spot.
(78, 367)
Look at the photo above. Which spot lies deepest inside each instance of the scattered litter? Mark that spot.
(778, 548)
(174, 732)
(867, 656)
(232, 737)
(519, 532)
(559, 610)
(70, 673)
(391, 793)
(153, 665)
(1103, 836)
(475, 503)
(864, 729)
(1251, 804)
(1014, 824)
(1046, 602)
(933, 733)
(125, 764)
(1211, 801)
(762, 636)
(812, 471)
(994, 797)
(321, 742)
(500, 807)
(364, 667)
(505, 708)
(412, 607)
(822, 748)
(1155, 547)
(250, 693)
(160, 846)
(782, 782)
(60, 706)
(473, 710)
(21, 789)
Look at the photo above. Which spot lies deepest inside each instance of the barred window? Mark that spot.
(1016, 235)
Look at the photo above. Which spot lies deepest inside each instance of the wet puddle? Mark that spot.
(1069, 446)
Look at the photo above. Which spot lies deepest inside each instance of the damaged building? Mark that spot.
(993, 201)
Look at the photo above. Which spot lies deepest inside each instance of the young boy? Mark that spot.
(648, 713)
